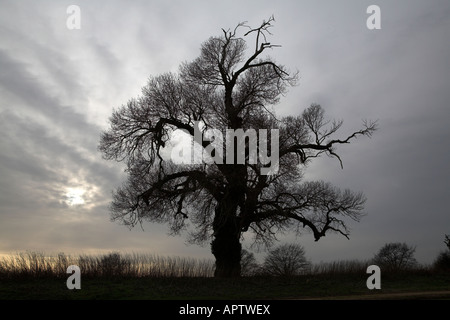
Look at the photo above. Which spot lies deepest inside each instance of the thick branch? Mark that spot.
(196, 175)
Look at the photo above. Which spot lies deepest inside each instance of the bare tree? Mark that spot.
(395, 257)
(229, 86)
(442, 262)
(249, 265)
(286, 260)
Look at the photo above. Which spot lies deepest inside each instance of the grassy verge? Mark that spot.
(301, 287)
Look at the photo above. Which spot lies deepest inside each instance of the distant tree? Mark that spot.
(113, 264)
(286, 260)
(249, 265)
(442, 261)
(395, 257)
(228, 88)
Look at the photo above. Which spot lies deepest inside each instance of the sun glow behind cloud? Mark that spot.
(74, 196)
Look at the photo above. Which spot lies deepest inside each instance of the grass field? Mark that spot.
(34, 276)
(412, 286)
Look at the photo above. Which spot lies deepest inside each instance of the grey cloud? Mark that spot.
(31, 149)
(30, 90)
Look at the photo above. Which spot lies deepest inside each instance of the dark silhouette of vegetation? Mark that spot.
(395, 257)
(229, 86)
(249, 265)
(111, 265)
(442, 262)
(340, 267)
(173, 279)
(286, 260)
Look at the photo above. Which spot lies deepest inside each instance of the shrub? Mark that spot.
(396, 257)
(249, 266)
(442, 262)
(286, 260)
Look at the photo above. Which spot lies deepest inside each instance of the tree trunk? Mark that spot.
(226, 246)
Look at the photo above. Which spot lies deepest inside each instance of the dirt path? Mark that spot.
(422, 295)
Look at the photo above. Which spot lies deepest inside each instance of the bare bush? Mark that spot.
(396, 257)
(442, 262)
(249, 265)
(286, 260)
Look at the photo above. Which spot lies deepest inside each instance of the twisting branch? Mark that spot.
(313, 120)
(261, 31)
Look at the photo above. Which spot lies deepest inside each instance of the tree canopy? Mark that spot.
(230, 86)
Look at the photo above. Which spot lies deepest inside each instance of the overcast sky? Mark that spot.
(58, 88)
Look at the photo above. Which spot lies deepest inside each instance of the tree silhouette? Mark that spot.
(442, 262)
(249, 265)
(286, 260)
(228, 87)
(395, 257)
